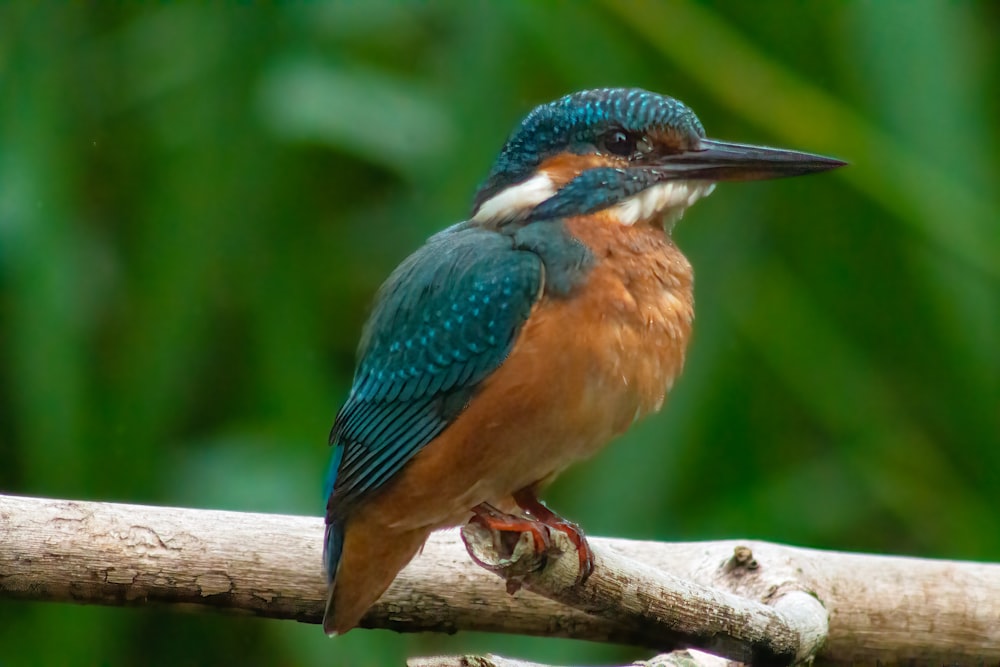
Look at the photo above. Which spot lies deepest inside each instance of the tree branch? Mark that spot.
(667, 611)
(880, 608)
(674, 659)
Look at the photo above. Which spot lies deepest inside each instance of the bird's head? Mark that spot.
(640, 156)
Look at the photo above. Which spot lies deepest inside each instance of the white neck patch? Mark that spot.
(669, 199)
(517, 200)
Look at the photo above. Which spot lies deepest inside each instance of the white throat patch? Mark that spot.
(517, 200)
(670, 199)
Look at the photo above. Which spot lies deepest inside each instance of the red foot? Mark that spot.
(529, 502)
(509, 528)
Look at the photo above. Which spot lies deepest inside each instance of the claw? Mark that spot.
(508, 528)
(529, 502)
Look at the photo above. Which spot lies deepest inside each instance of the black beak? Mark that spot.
(721, 161)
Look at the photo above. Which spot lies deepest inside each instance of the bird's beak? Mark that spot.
(721, 161)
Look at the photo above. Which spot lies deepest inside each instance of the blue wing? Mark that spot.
(445, 320)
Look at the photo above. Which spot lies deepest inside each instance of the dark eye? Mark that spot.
(618, 142)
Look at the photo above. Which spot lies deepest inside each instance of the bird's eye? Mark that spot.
(624, 144)
(618, 142)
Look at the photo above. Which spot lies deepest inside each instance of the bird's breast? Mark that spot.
(590, 363)
(628, 326)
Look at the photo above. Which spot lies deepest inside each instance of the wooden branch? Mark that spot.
(674, 659)
(880, 608)
(470, 661)
(667, 611)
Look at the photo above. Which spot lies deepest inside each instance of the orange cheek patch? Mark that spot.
(564, 167)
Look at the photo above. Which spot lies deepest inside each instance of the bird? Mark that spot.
(526, 337)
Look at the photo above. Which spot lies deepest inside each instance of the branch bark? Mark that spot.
(667, 611)
(673, 659)
(880, 608)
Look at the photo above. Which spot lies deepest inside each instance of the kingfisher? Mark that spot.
(525, 338)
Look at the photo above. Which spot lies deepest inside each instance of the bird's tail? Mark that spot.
(333, 547)
(362, 559)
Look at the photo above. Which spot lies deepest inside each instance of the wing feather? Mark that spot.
(443, 322)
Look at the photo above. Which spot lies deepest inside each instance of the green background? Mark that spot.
(197, 203)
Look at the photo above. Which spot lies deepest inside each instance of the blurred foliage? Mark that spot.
(197, 202)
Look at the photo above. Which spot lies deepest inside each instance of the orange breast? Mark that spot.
(582, 371)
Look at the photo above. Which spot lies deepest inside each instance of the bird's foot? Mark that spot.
(529, 502)
(523, 543)
(507, 528)
(520, 545)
